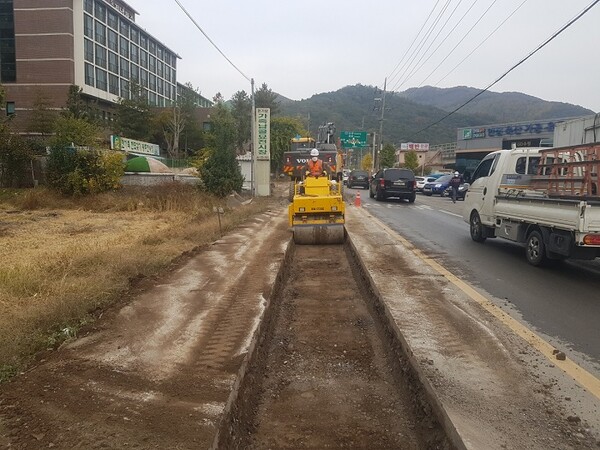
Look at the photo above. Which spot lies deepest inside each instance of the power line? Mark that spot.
(415, 69)
(423, 40)
(211, 41)
(460, 42)
(414, 40)
(546, 42)
(473, 51)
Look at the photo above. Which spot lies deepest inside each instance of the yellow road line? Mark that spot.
(578, 373)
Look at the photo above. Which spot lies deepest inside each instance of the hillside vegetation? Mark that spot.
(354, 108)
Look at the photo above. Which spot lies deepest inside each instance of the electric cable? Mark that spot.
(538, 48)
(415, 69)
(462, 39)
(473, 51)
(422, 42)
(414, 40)
(211, 41)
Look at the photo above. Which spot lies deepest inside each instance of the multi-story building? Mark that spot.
(48, 45)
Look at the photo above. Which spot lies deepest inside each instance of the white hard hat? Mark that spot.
(314, 152)
(456, 174)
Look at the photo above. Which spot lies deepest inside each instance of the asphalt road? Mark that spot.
(561, 302)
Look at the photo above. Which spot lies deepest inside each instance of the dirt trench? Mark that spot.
(327, 372)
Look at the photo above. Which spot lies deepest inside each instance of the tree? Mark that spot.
(15, 159)
(70, 130)
(387, 157)
(218, 98)
(367, 162)
(134, 116)
(172, 122)
(193, 135)
(78, 107)
(266, 98)
(220, 173)
(411, 160)
(42, 116)
(283, 129)
(241, 105)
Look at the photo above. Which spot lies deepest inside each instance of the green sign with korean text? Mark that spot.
(353, 139)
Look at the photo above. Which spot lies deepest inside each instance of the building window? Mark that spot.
(135, 36)
(152, 64)
(100, 12)
(124, 47)
(89, 75)
(113, 20)
(100, 79)
(144, 78)
(160, 86)
(144, 59)
(152, 82)
(152, 99)
(113, 84)
(143, 42)
(135, 73)
(88, 6)
(89, 50)
(124, 28)
(124, 89)
(153, 47)
(100, 33)
(124, 68)
(113, 40)
(134, 56)
(159, 52)
(159, 69)
(113, 62)
(88, 26)
(100, 56)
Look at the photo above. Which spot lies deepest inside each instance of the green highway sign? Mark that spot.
(353, 139)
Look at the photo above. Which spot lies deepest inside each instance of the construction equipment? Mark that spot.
(317, 212)
(295, 159)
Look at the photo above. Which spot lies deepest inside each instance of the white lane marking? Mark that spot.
(449, 213)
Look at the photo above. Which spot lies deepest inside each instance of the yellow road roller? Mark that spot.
(316, 213)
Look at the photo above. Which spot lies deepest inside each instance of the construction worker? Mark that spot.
(314, 166)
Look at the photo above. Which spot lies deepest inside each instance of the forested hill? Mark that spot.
(354, 108)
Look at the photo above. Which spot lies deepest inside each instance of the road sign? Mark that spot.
(353, 139)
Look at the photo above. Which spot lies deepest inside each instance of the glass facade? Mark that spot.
(117, 52)
(8, 64)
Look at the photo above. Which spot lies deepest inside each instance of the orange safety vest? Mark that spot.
(315, 167)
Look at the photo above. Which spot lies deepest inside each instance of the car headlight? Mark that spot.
(438, 185)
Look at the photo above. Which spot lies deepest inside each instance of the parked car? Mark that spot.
(358, 178)
(393, 183)
(437, 187)
(462, 191)
(420, 182)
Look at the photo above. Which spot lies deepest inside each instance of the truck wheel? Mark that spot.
(476, 228)
(412, 198)
(291, 193)
(535, 250)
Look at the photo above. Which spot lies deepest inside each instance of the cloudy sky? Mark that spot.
(302, 48)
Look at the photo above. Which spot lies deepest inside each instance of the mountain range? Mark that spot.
(409, 115)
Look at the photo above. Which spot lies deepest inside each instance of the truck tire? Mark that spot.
(535, 249)
(412, 198)
(291, 193)
(476, 227)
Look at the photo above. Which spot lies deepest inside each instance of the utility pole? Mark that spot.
(376, 158)
(253, 147)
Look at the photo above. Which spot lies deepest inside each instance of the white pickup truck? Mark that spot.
(545, 198)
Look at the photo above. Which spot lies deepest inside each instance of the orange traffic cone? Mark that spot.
(357, 200)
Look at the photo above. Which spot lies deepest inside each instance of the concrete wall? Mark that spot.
(154, 179)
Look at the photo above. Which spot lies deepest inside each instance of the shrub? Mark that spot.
(79, 171)
(15, 160)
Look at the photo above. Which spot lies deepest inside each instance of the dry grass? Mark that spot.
(61, 259)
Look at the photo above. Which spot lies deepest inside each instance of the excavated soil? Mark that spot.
(328, 373)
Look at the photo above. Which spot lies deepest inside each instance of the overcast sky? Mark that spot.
(302, 48)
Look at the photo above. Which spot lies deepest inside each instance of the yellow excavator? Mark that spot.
(317, 211)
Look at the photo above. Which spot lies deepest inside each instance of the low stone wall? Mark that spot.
(153, 179)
